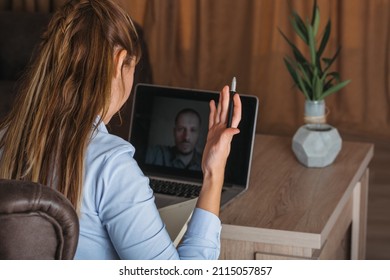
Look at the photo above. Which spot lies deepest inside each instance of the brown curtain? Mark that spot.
(204, 43)
(31, 5)
(136, 8)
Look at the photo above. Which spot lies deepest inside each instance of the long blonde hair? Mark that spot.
(67, 86)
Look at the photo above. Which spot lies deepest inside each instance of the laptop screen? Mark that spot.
(169, 130)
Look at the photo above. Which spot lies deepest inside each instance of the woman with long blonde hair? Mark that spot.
(56, 135)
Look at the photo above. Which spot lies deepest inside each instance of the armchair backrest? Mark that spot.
(36, 222)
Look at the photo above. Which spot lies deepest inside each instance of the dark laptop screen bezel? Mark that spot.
(238, 165)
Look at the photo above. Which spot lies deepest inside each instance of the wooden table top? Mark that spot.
(284, 195)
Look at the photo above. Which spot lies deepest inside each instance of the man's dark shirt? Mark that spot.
(167, 156)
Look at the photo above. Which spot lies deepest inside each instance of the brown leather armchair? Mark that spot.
(36, 222)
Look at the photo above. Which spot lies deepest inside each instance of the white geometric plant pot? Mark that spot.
(316, 144)
(316, 147)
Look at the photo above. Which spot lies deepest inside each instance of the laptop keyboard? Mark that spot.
(175, 188)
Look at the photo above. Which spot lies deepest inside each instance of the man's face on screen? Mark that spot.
(186, 132)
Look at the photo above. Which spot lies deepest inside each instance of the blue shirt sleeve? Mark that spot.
(202, 238)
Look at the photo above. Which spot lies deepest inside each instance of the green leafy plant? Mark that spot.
(312, 76)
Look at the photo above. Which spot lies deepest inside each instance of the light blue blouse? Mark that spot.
(119, 219)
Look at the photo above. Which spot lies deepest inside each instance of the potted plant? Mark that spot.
(315, 79)
(312, 75)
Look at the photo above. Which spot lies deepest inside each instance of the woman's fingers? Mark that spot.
(224, 104)
(218, 114)
(236, 111)
(212, 113)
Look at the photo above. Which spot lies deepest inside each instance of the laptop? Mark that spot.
(153, 134)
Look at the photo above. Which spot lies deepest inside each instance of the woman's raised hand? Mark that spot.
(217, 149)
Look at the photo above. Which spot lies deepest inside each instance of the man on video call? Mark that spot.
(183, 154)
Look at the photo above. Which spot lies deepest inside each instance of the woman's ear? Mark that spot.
(119, 59)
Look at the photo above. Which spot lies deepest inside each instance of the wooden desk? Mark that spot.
(294, 212)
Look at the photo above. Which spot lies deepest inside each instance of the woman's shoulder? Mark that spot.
(111, 173)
